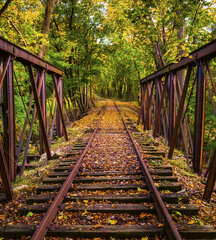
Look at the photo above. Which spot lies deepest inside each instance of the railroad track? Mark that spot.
(100, 190)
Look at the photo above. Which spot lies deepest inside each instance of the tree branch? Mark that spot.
(5, 7)
(18, 31)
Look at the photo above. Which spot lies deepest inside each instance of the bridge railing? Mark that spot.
(11, 145)
(166, 97)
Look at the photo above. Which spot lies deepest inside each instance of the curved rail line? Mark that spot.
(161, 209)
(42, 229)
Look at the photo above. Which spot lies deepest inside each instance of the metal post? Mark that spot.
(199, 120)
(150, 88)
(144, 104)
(157, 100)
(43, 108)
(211, 179)
(6, 181)
(39, 111)
(172, 108)
(58, 120)
(9, 120)
(179, 114)
(157, 120)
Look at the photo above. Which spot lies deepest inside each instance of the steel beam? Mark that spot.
(26, 57)
(172, 106)
(199, 120)
(39, 111)
(9, 120)
(43, 109)
(211, 179)
(59, 124)
(179, 114)
(157, 119)
(5, 177)
(19, 148)
(208, 51)
(2, 76)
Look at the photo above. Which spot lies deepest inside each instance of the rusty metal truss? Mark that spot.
(165, 99)
(11, 145)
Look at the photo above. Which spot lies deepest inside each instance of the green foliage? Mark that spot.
(109, 45)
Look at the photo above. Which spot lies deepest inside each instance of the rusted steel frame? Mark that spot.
(144, 103)
(190, 95)
(141, 106)
(186, 119)
(26, 57)
(19, 148)
(160, 206)
(146, 123)
(52, 124)
(164, 110)
(43, 109)
(181, 125)
(153, 109)
(59, 125)
(148, 110)
(28, 141)
(208, 51)
(211, 179)
(211, 77)
(53, 118)
(157, 120)
(58, 121)
(157, 99)
(50, 115)
(5, 177)
(59, 107)
(39, 111)
(199, 123)
(211, 97)
(172, 107)
(4, 70)
(9, 120)
(42, 229)
(21, 96)
(179, 114)
(162, 114)
(40, 85)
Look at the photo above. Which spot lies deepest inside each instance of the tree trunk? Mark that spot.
(50, 5)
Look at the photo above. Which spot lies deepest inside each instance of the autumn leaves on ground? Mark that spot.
(110, 152)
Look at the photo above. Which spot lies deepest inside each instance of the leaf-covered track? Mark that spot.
(108, 196)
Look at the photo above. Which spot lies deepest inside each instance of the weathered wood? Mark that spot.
(118, 231)
(154, 153)
(136, 198)
(186, 209)
(71, 154)
(105, 179)
(175, 187)
(153, 172)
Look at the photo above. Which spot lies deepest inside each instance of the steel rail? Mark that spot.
(161, 209)
(43, 227)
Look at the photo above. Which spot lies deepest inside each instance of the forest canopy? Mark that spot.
(107, 46)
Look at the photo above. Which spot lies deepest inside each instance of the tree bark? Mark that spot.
(50, 5)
